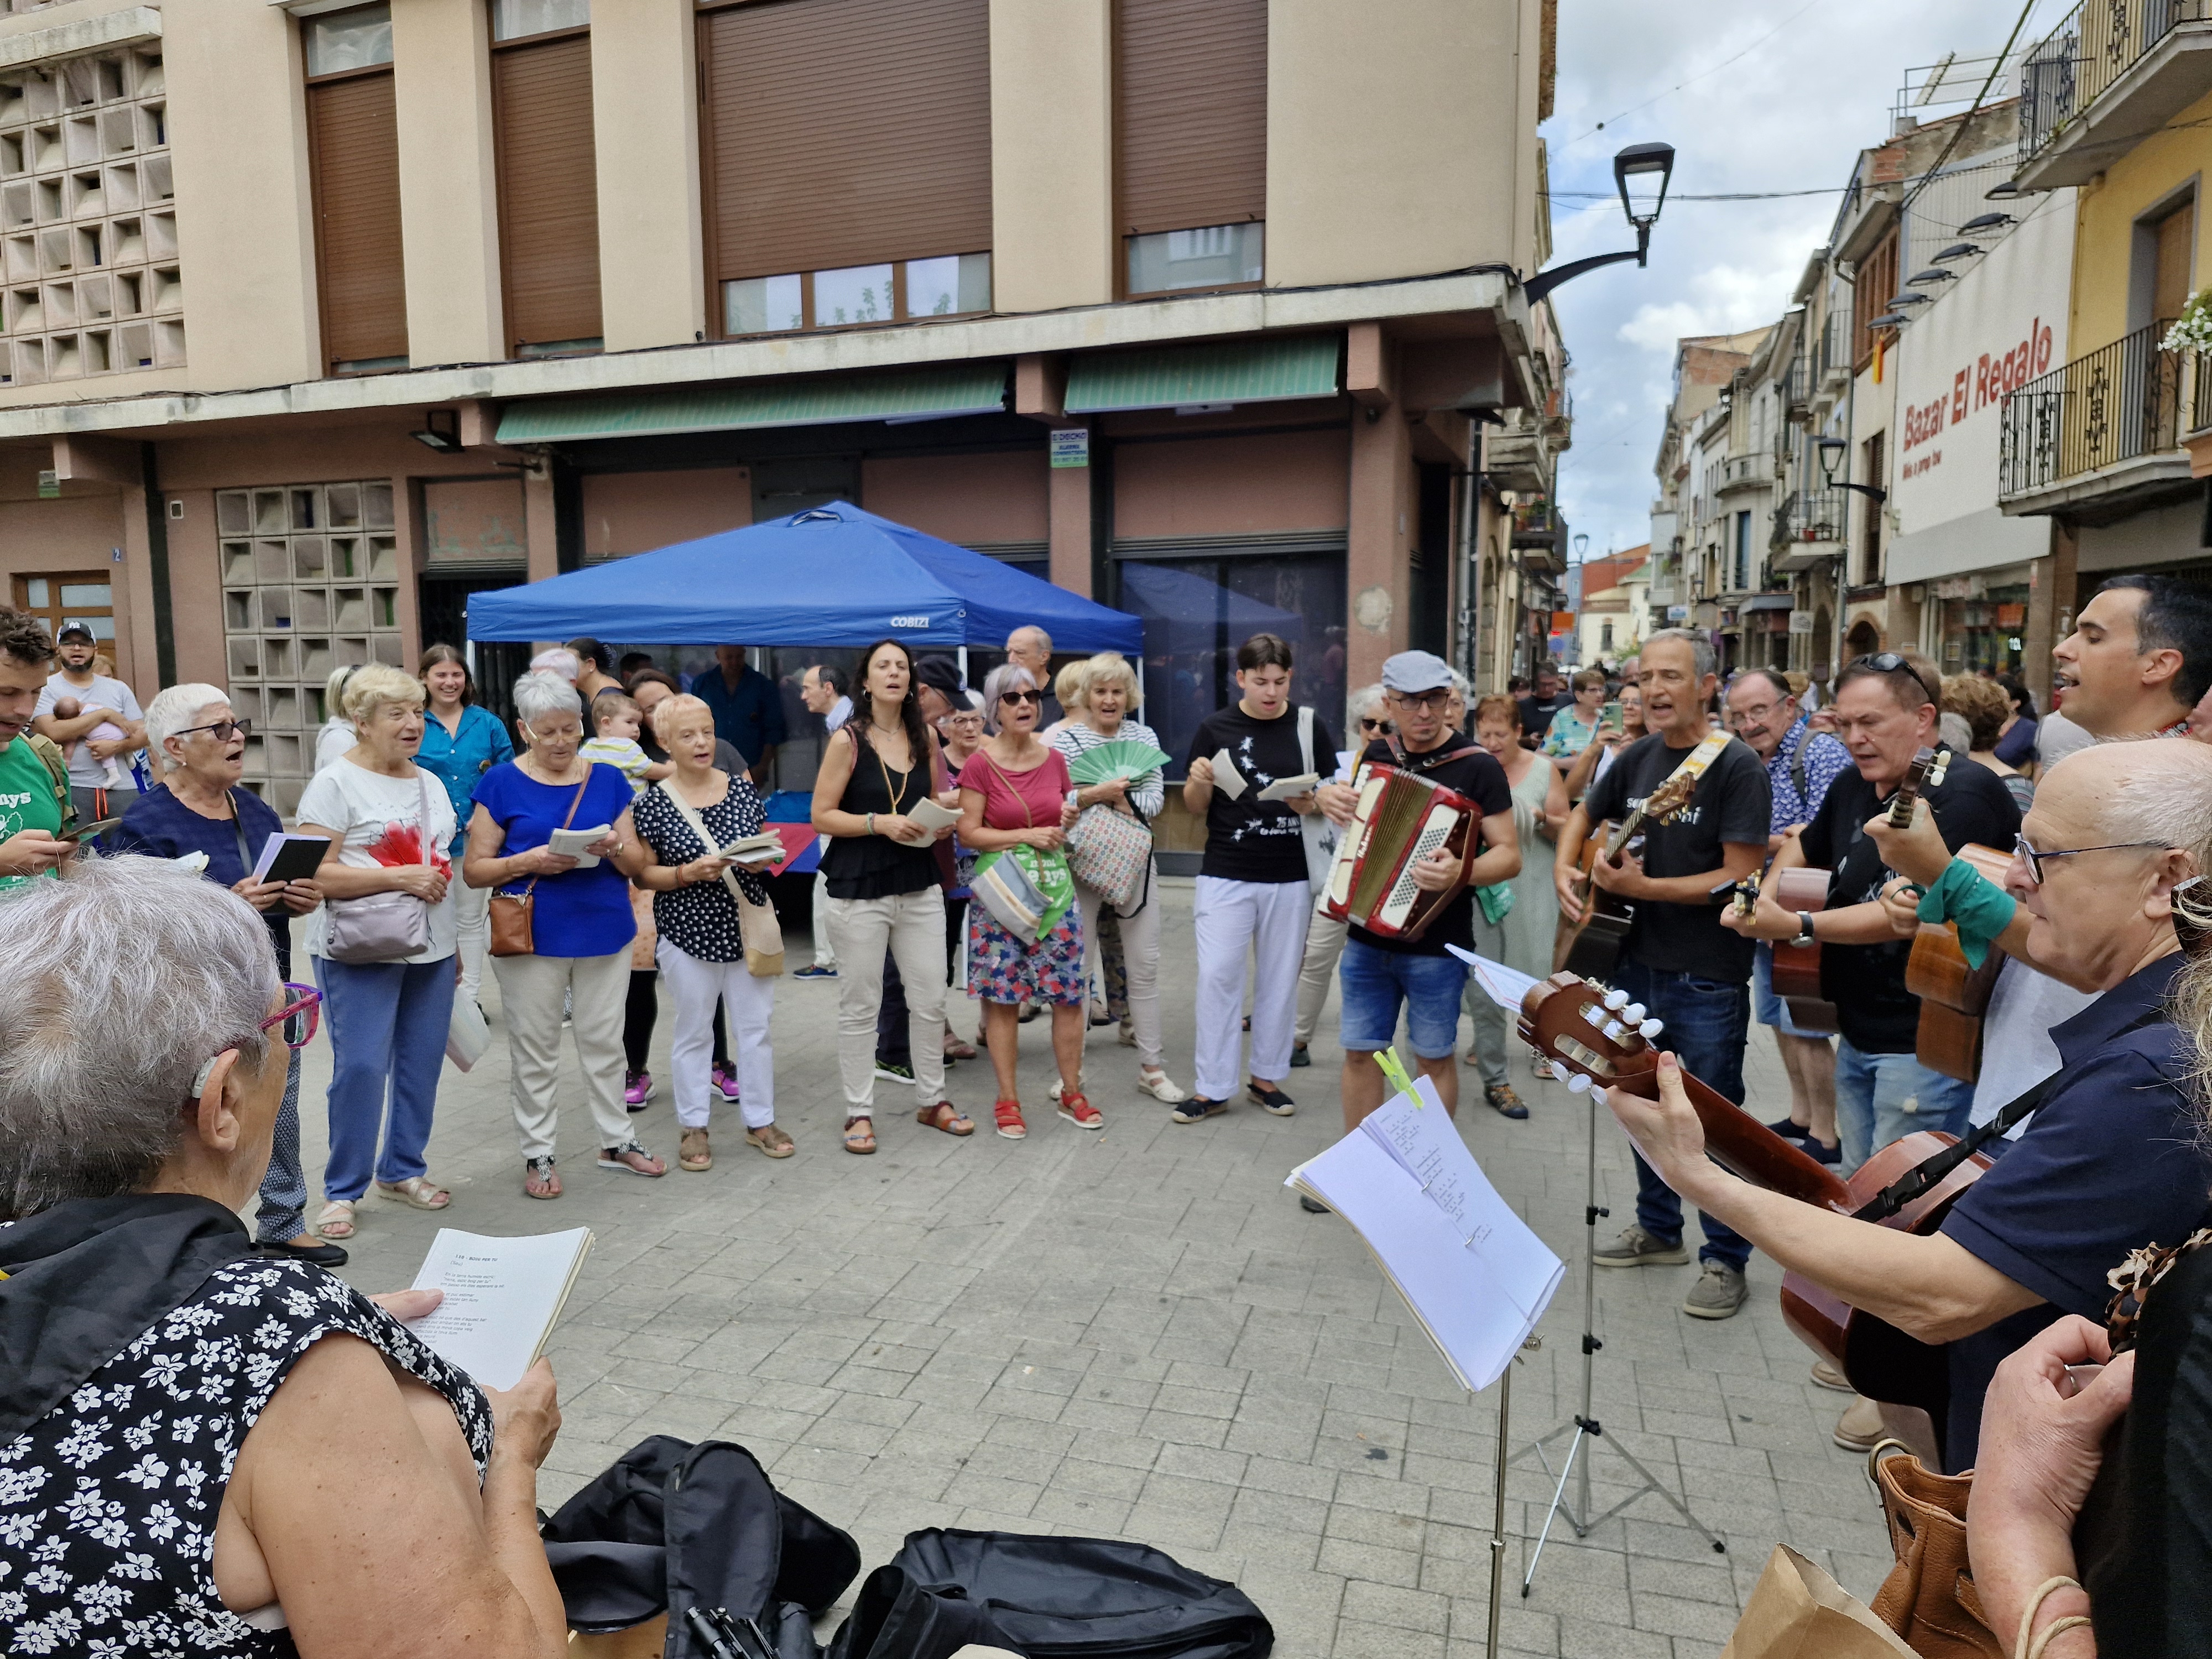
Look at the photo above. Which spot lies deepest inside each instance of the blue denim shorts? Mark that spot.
(1376, 982)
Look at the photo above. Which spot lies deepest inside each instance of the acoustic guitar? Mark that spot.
(1797, 968)
(1592, 946)
(1953, 996)
(1596, 1035)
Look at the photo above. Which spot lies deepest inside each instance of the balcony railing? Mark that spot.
(2118, 402)
(2080, 60)
(1811, 516)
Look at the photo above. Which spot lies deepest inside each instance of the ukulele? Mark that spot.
(1953, 996)
(1603, 1038)
(1797, 968)
(1592, 946)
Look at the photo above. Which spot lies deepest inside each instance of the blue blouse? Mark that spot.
(578, 913)
(459, 759)
(159, 825)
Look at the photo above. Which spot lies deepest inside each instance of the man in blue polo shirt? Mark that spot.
(2111, 1160)
(748, 712)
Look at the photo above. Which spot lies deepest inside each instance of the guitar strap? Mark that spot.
(1923, 1177)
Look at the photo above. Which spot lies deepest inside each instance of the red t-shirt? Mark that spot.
(1043, 789)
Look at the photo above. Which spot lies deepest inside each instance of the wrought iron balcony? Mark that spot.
(2123, 67)
(2120, 403)
(1808, 526)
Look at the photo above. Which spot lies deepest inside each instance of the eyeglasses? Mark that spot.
(1428, 700)
(301, 1013)
(1367, 723)
(1036, 697)
(2033, 859)
(223, 730)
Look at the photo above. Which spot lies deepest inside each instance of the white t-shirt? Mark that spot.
(85, 772)
(336, 736)
(2017, 1050)
(839, 712)
(381, 819)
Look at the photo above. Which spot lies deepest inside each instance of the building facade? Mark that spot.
(319, 320)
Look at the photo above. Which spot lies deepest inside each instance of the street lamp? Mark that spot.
(1833, 451)
(1582, 547)
(1641, 174)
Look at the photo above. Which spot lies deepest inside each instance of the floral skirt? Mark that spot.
(1000, 969)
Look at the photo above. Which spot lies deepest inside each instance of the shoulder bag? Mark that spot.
(387, 927)
(1319, 833)
(1110, 853)
(758, 927)
(1023, 889)
(510, 912)
(1929, 1598)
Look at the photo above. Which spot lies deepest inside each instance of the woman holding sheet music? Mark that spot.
(198, 748)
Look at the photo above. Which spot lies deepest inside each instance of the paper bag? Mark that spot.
(1798, 1612)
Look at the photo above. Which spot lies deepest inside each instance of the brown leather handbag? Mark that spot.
(1929, 1598)
(510, 912)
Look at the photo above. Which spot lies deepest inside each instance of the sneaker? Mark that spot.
(1299, 1056)
(1009, 1114)
(1819, 1154)
(815, 970)
(1273, 1099)
(632, 1159)
(727, 1081)
(1718, 1294)
(1637, 1248)
(1198, 1109)
(892, 1072)
(637, 1090)
(1790, 1131)
(1859, 1429)
(1080, 1112)
(1160, 1086)
(1504, 1101)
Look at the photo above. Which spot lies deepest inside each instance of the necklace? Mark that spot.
(898, 796)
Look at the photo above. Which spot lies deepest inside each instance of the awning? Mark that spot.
(1239, 371)
(971, 388)
(1769, 602)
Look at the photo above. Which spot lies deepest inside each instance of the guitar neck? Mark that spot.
(1620, 837)
(1744, 1146)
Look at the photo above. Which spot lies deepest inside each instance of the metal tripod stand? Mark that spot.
(1585, 1425)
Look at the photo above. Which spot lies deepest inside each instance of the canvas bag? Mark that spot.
(1315, 829)
(1026, 890)
(757, 925)
(381, 926)
(1798, 1612)
(510, 912)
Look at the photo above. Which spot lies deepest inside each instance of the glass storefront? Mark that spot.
(1985, 633)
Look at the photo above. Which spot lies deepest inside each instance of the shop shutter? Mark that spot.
(1190, 80)
(845, 132)
(354, 135)
(549, 195)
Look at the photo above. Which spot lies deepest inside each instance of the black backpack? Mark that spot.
(1047, 1598)
(671, 1525)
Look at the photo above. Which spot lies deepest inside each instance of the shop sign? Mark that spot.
(1676, 613)
(1801, 622)
(1071, 445)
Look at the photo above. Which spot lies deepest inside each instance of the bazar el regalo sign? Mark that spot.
(1978, 386)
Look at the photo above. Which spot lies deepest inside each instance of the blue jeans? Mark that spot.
(1376, 982)
(1707, 1021)
(388, 1022)
(284, 1213)
(1880, 1098)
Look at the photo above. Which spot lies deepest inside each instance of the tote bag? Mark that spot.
(1025, 889)
(757, 925)
(1110, 853)
(381, 926)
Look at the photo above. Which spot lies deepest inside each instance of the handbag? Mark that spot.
(1929, 1598)
(388, 926)
(510, 912)
(1797, 1611)
(1025, 889)
(758, 927)
(1111, 854)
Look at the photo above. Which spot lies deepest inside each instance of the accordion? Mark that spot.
(1400, 819)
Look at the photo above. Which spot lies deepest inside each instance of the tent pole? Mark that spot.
(963, 664)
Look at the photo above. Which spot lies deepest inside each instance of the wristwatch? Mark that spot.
(1805, 934)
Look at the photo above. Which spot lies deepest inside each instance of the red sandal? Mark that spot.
(1080, 1112)
(1009, 1114)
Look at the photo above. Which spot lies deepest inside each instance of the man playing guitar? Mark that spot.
(2111, 1160)
(1676, 961)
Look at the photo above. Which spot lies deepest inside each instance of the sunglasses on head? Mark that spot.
(1021, 697)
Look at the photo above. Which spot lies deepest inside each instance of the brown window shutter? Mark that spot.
(353, 132)
(548, 193)
(1190, 84)
(845, 132)
(1872, 287)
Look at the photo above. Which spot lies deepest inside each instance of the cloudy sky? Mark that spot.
(1808, 86)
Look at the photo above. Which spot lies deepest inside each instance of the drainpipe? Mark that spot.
(1470, 561)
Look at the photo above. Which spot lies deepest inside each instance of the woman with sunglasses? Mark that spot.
(199, 750)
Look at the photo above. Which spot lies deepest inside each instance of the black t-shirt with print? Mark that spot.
(1730, 806)
(1248, 839)
(1476, 775)
(1867, 981)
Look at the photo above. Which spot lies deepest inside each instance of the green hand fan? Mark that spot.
(1122, 758)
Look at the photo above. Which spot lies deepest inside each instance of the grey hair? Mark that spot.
(1006, 677)
(537, 695)
(1043, 640)
(1951, 727)
(1701, 648)
(559, 661)
(177, 709)
(1356, 705)
(125, 979)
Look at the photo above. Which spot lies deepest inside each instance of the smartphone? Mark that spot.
(95, 830)
(1610, 715)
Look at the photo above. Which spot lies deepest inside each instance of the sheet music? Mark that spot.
(1506, 987)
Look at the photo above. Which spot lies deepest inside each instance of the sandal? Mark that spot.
(416, 1192)
(946, 1116)
(692, 1152)
(336, 1220)
(632, 1159)
(1009, 1114)
(955, 1049)
(772, 1140)
(862, 1140)
(540, 1179)
(1080, 1112)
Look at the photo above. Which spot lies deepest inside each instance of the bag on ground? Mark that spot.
(1798, 1612)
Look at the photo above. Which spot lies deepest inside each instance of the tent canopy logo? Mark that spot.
(909, 622)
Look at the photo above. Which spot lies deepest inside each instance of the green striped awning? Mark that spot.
(970, 388)
(1236, 371)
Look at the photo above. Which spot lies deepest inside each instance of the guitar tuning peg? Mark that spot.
(1633, 1013)
(1616, 998)
(1650, 1029)
(1578, 1083)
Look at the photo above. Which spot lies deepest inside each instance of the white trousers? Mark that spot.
(1324, 945)
(825, 952)
(530, 990)
(1140, 951)
(472, 911)
(1266, 919)
(912, 927)
(695, 985)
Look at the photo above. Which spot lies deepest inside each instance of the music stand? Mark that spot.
(1585, 1425)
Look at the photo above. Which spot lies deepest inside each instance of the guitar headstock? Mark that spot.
(1926, 772)
(1598, 1035)
(1744, 898)
(1669, 797)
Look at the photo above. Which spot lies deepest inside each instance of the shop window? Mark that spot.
(84, 596)
(891, 292)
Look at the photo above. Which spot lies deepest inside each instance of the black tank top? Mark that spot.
(876, 867)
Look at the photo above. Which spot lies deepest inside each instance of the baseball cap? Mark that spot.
(1415, 671)
(75, 630)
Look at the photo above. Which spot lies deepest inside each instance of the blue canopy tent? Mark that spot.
(1183, 612)
(832, 575)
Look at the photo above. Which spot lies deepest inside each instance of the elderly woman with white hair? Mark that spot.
(207, 1452)
(198, 748)
(580, 923)
(388, 822)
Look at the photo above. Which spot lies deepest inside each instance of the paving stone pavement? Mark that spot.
(1138, 1332)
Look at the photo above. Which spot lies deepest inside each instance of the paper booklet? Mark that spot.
(1474, 1275)
(1283, 788)
(1226, 778)
(503, 1297)
(291, 858)
(573, 842)
(931, 816)
(754, 851)
(1506, 987)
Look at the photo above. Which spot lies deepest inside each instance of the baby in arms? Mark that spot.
(68, 708)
